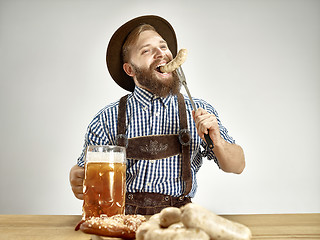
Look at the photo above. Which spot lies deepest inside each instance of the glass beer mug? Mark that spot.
(104, 185)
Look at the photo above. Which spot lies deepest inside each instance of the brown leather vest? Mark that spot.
(155, 147)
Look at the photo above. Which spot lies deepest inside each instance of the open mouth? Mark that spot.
(158, 67)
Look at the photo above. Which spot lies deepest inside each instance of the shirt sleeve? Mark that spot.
(95, 135)
(223, 132)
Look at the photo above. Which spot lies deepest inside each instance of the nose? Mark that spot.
(159, 53)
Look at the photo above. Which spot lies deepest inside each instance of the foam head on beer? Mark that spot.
(111, 157)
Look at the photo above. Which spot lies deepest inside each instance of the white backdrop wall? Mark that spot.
(257, 62)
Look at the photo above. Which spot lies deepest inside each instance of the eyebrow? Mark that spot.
(147, 45)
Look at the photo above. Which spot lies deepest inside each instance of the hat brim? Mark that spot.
(114, 50)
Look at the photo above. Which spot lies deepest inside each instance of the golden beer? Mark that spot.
(104, 184)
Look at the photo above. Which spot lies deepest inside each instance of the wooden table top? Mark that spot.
(60, 227)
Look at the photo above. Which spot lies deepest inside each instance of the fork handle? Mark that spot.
(208, 140)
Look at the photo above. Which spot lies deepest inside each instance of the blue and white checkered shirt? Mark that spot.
(147, 115)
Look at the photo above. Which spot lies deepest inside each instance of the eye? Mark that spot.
(164, 47)
(145, 51)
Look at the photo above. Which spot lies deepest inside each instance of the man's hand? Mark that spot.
(230, 156)
(76, 181)
(207, 123)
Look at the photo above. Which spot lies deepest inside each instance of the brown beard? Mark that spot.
(148, 79)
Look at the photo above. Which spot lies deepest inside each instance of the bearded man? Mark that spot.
(163, 172)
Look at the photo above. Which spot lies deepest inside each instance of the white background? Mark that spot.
(257, 62)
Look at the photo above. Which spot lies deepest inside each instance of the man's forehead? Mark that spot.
(149, 37)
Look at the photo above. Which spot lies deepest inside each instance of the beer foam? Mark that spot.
(113, 157)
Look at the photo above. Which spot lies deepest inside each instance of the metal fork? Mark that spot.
(182, 79)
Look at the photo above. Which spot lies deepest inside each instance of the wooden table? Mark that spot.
(57, 227)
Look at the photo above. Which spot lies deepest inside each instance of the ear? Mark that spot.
(127, 67)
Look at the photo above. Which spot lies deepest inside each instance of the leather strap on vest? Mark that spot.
(122, 139)
(186, 165)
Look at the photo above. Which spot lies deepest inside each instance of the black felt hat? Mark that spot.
(114, 50)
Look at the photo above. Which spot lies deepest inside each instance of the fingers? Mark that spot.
(79, 171)
(206, 123)
(78, 192)
(76, 175)
(79, 196)
(76, 181)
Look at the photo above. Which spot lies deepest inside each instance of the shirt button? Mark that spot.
(152, 161)
(148, 184)
(157, 114)
(145, 108)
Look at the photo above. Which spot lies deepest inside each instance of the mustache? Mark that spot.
(156, 62)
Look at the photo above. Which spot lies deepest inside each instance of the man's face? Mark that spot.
(146, 56)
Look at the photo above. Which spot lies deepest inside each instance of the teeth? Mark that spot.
(160, 65)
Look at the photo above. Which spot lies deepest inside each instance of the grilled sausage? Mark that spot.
(176, 62)
(218, 228)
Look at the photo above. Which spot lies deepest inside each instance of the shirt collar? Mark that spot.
(145, 97)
